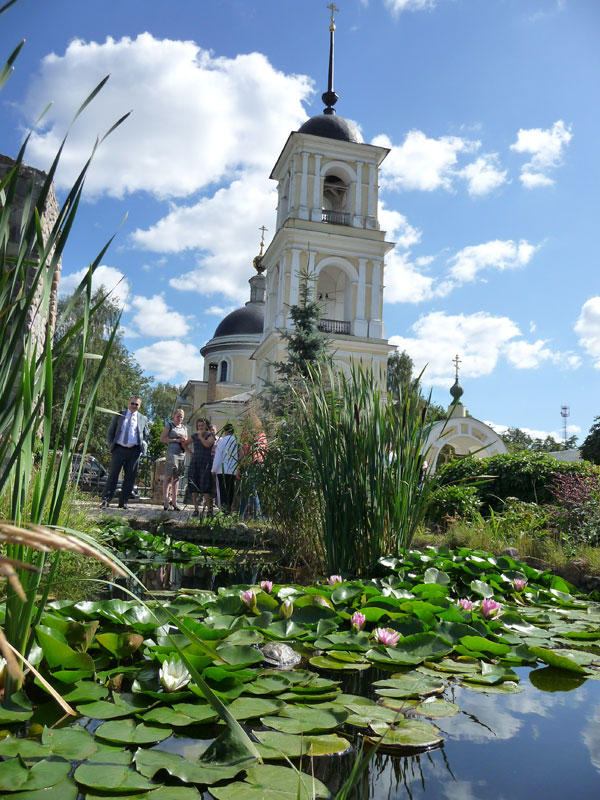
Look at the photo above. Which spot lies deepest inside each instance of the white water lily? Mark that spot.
(173, 675)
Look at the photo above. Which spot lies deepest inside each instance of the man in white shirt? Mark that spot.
(127, 439)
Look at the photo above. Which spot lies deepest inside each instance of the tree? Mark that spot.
(160, 399)
(306, 348)
(400, 381)
(517, 440)
(590, 449)
(122, 375)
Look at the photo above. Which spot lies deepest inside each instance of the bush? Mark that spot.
(453, 501)
(526, 476)
(578, 515)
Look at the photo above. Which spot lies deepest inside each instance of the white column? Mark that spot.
(358, 218)
(294, 281)
(361, 327)
(293, 199)
(316, 214)
(279, 318)
(303, 210)
(375, 323)
(371, 219)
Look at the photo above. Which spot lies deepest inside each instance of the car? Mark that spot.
(93, 475)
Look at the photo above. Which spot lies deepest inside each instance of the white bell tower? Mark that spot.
(327, 227)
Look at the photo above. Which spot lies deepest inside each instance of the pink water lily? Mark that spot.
(335, 579)
(358, 621)
(490, 608)
(286, 609)
(249, 598)
(519, 584)
(464, 604)
(386, 636)
(266, 586)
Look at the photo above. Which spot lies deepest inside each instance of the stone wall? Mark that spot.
(31, 180)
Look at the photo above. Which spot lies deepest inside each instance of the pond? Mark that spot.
(442, 654)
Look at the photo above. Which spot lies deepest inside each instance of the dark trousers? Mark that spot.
(126, 459)
(226, 490)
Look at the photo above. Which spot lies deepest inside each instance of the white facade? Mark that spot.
(327, 227)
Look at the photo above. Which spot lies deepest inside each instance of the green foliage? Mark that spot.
(158, 401)
(122, 375)
(525, 475)
(590, 449)
(363, 459)
(517, 440)
(401, 381)
(29, 405)
(453, 501)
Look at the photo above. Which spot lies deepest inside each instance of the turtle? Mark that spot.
(280, 655)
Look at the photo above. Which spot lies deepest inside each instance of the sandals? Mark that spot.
(174, 506)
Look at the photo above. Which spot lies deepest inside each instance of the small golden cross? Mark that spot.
(333, 8)
(456, 361)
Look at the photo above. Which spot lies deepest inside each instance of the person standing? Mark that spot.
(127, 439)
(225, 465)
(174, 435)
(199, 476)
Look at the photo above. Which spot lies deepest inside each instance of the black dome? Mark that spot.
(331, 127)
(248, 319)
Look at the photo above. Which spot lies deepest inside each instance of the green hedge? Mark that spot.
(526, 476)
(453, 500)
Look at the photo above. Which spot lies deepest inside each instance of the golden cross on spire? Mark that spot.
(332, 8)
(262, 238)
(456, 361)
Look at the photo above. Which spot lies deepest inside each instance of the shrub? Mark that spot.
(526, 476)
(453, 501)
(578, 515)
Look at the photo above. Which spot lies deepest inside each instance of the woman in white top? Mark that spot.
(225, 465)
(175, 436)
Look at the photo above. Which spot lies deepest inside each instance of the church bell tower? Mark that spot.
(327, 228)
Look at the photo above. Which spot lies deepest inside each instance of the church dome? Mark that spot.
(331, 126)
(248, 319)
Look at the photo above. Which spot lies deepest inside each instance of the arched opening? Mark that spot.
(335, 200)
(334, 295)
(223, 372)
(447, 454)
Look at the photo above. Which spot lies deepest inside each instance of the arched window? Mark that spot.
(223, 372)
(334, 194)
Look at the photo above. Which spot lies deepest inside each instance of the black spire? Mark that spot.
(330, 97)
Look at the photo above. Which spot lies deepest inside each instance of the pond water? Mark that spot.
(535, 744)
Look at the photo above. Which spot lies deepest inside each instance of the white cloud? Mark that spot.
(224, 229)
(219, 311)
(397, 227)
(588, 328)
(154, 318)
(480, 339)
(484, 175)
(420, 162)
(196, 117)
(109, 279)
(529, 355)
(572, 430)
(170, 360)
(397, 6)
(546, 148)
(498, 254)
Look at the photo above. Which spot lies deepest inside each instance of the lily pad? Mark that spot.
(181, 714)
(554, 659)
(306, 720)
(111, 777)
(431, 707)
(126, 731)
(276, 783)
(149, 762)
(73, 743)
(508, 687)
(251, 707)
(409, 685)
(407, 734)
(17, 708)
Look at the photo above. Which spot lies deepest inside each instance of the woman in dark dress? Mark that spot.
(199, 475)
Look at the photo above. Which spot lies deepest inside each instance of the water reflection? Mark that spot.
(539, 744)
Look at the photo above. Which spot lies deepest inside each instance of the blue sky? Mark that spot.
(491, 111)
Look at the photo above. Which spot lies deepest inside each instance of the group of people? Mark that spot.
(215, 465)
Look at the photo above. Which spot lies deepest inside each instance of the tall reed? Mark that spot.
(36, 487)
(365, 459)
